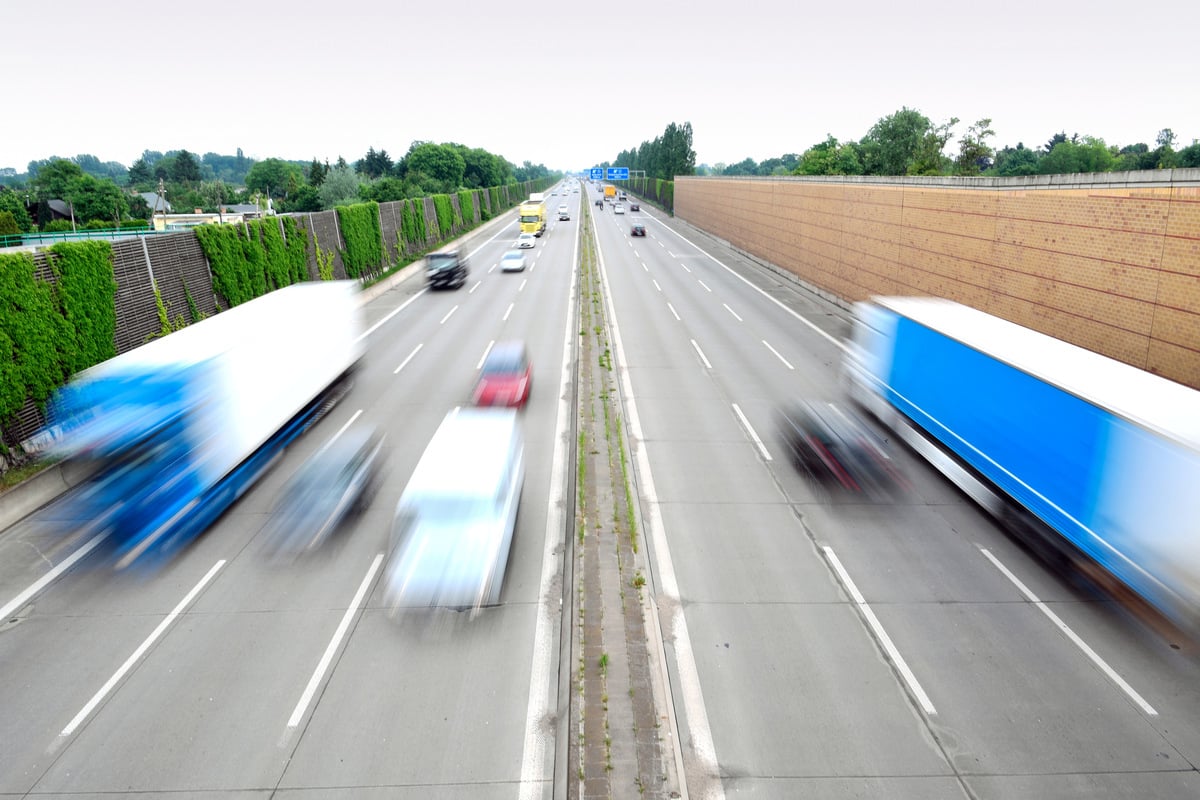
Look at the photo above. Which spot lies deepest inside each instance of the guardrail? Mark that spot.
(54, 237)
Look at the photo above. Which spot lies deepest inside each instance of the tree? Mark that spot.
(676, 155)
(140, 174)
(441, 163)
(1190, 155)
(929, 158)
(893, 143)
(317, 172)
(14, 203)
(1019, 160)
(55, 179)
(306, 198)
(185, 169)
(273, 177)
(215, 194)
(974, 153)
(339, 187)
(374, 164)
(747, 166)
(820, 159)
(96, 199)
(1069, 156)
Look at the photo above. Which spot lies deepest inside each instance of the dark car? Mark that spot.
(446, 270)
(634, 207)
(337, 481)
(638, 229)
(505, 378)
(837, 448)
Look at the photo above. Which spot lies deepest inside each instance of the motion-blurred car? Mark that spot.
(618, 209)
(526, 240)
(336, 482)
(837, 448)
(634, 207)
(637, 229)
(505, 378)
(455, 521)
(512, 261)
(564, 213)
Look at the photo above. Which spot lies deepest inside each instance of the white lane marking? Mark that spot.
(913, 684)
(492, 268)
(645, 267)
(717, 261)
(731, 311)
(674, 255)
(549, 617)
(685, 267)
(448, 313)
(483, 357)
(750, 430)
(524, 281)
(391, 314)
(341, 430)
(673, 311)
(404, 363)
(701, 354)
(327, 657)
(99, 696)
(705, 285)
(786, 363)
(706, 771)
(636, 254)
(44, 581)
(660, 244)
(1070, 634)
(656, 286)
(506, 313)
(473, 288)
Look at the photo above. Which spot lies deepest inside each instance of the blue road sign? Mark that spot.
(597, 173)
(617, 174)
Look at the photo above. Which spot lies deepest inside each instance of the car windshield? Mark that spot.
(504, 362)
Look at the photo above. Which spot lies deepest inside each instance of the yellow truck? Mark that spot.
(610, 192)
(532, 214)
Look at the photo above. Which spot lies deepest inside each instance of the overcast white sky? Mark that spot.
(572, 84)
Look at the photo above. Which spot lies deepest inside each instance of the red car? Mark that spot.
(505, 377)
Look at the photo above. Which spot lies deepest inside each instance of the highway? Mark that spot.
(817, 645)
(226, 674)
(828, 647)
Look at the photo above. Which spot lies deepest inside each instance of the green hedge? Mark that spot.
(87, 291)
(466, 207)
(49, 331)
(363, 238)
(445, 215)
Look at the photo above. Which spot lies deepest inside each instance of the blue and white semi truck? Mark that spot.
(179, 428)
(1100, 460)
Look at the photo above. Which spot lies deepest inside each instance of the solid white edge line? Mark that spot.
(448, 314)
(913, 684)
(404, 363)
(703, 752)
(327, 656)
(731, 311)
(750, 430)
(717, 261)
(44, 581)
(700, 353)
(1070, 634)
(537, 740)
(486, 350)
(673, 311)
(99, 696)
(786, 363)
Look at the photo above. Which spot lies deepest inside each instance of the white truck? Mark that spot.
(179, 428)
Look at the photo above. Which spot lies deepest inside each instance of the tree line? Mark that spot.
(909, 143)
(106, 194)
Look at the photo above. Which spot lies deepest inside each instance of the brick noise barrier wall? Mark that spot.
(1107, 261)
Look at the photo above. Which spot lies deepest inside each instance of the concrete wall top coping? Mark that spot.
(1140, 179)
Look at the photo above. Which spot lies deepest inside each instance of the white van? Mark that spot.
(564, 213)
(454, 523)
